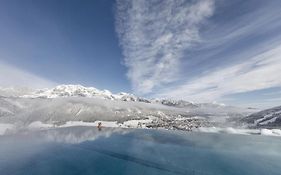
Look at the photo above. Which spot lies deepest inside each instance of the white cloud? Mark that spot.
(154, 35)
(13, 77)
(259, 72)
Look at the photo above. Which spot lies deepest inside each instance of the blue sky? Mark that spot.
(63, 42)
(202, 51)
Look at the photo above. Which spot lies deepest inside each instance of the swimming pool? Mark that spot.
(86, 150)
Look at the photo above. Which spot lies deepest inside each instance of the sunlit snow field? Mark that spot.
(87, 150)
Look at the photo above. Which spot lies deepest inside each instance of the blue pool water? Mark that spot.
(86, 150)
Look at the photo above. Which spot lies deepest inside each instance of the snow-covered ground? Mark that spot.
(75, 105)
(113, 124)
(37, 125)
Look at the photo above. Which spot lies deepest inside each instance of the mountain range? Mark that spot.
(64, 103)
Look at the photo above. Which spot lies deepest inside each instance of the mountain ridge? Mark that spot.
(65, 103)
(266, 118)
(92, 92)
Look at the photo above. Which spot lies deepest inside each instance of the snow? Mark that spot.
(80, 91)
(136, 123)
(78, 103)
(112, 124)
(87, 106)
(268, 121)
(39, 125)
(272, 132)
(70, 91)
(81, 123)
(141, 124)
(270, 117)
(263, 118)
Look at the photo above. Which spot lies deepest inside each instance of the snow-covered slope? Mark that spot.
(91, 92)
(266, 118)
(66, 103)
(59, 111)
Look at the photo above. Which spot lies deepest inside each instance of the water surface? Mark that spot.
(86, 150)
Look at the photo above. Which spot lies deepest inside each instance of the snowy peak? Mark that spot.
(125, 96)
(91, 92)
(71, 91)
(130, 97)
(63, 91)
(81, 91)
(94, 103)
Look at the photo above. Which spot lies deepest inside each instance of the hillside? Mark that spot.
(269, 118)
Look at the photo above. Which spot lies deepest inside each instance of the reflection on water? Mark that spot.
(79, 134)
(86, 150)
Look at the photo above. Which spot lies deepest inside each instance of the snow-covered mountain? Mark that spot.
(81, 91)
(266, 118)
(91, 92)
(70, 91)
(65, 103)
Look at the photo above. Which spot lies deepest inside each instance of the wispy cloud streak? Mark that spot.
(259, 72)
(154, 35)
